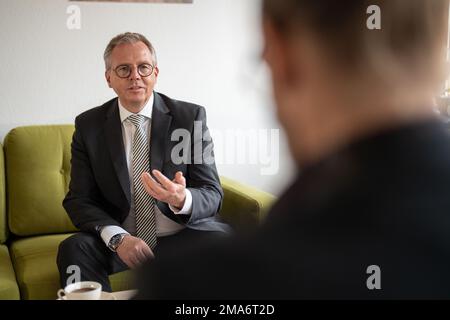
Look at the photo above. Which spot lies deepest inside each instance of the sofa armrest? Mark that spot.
(9, 290)
(244, 207)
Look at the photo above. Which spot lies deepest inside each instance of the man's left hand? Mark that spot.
(171, 192)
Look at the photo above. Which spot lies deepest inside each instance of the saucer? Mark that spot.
(104, 296)
(107, 296)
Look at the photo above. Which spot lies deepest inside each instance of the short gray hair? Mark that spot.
(127, 37)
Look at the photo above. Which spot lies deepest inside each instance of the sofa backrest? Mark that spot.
(3, 223)
(38, 174)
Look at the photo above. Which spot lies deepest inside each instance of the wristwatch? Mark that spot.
(115, 241)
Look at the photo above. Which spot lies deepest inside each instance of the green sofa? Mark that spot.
(34, 178)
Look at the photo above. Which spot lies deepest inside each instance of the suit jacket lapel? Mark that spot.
(114, 139)
(161, 120)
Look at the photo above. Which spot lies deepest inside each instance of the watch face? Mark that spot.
(114, 242)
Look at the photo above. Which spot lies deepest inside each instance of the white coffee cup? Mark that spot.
(84, 290)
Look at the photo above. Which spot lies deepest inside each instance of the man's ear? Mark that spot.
(108, 77)
(278, 53)
(156, 71)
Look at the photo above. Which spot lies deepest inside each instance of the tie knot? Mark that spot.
(137, 120)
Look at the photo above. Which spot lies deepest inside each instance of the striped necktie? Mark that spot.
(144, 204)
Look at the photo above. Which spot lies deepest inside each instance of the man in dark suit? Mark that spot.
(127, 215)
(368, 215)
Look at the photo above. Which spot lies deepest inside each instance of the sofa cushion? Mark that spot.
(34, 260)
(8, 285)
(244, 207)
(3, 224)
(38, 171)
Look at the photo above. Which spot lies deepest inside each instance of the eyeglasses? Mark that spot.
(124, 70)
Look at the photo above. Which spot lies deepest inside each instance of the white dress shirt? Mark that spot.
(164, 225)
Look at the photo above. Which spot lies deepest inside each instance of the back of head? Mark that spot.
(408, 52)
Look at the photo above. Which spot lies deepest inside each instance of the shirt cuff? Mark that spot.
(187, 207)
(110, 231)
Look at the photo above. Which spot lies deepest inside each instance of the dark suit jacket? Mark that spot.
(383, 201)
(99, 191)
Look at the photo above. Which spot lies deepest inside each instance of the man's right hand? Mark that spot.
(134, 251)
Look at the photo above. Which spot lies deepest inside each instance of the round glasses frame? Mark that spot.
(124, 70)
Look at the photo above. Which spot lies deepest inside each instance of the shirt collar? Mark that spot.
(146, 110)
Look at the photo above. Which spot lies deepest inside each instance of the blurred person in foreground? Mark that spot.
(368, 216)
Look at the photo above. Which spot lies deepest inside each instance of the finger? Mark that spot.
(125, 257)
(147, 251)
(153, 184)
(166, 183)
(179, 178)
(143, 257)
(150, 190)
(134, 261)
(146, 177)
(149, 187)
(140, 251)
(129, 263)
(124, 260)
(140, 257)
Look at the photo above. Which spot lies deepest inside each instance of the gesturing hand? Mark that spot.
(171, 192)
(134, 251)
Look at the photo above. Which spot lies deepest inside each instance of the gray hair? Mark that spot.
(127, 37)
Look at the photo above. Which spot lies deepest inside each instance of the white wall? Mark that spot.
(208, 53)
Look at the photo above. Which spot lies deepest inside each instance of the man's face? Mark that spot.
(133, 90)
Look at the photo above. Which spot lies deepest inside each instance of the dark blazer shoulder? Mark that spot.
(97, 112)
(96, 115)
(180, 108)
